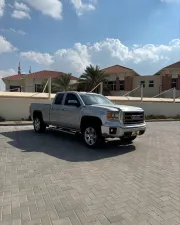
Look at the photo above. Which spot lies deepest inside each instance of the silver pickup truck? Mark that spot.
(92, 115)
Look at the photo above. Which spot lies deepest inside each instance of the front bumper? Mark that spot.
(119, 131)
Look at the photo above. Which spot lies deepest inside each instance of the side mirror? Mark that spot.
(74, 103)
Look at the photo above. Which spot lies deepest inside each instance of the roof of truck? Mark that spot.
(81, 92)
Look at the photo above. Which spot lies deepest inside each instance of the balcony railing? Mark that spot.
(135, 89)
(171, 89)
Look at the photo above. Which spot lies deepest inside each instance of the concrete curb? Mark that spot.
(28, 123)
(14, 123)
(162, 120)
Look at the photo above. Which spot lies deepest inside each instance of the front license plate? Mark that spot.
(134, 133)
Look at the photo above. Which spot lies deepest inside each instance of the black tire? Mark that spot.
(39, 125)
(92, 129)
(128, 139)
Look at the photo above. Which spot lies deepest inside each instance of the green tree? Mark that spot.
(91, 77)
(61, 83)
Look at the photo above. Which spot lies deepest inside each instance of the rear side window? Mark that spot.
(59, 99)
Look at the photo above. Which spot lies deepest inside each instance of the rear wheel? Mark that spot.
(92, 135)
(39, 125)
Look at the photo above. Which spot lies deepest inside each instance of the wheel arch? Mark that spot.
(37, 113)
(90, 120)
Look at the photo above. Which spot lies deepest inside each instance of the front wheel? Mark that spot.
(39, 125)
(91, 135)
(128, 139)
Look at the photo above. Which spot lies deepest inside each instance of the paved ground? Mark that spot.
(53, 179)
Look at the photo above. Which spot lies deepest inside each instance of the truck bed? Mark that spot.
(44, 108)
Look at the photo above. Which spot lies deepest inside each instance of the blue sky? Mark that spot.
(68, 35)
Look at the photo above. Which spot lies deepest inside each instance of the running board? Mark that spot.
(63, 130)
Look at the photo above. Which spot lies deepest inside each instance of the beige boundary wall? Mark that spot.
(15, 106)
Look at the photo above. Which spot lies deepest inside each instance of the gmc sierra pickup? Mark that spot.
(92, 115)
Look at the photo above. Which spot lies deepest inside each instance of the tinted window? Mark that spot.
(142, 83)
(151, 83)
(70, 97)
(59, 99)
(112, 85)
(174, 82)
(93, 99)
(121, 83)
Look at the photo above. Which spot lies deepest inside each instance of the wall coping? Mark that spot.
(45, 96)
(25, 95)
(138, 99)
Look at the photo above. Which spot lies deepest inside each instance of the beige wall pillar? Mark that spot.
(128, 83)
(117, 84)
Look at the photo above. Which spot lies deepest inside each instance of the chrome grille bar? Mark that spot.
(133, 117)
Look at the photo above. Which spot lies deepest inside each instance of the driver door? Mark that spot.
(56, 112)
(71, 112)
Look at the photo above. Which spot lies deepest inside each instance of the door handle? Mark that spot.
(63, 109)
(52, 108)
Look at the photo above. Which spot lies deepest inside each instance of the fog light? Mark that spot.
(112, 130)
(141, 132)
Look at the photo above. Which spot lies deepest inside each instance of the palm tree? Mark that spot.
(61, 83)
(91, 78)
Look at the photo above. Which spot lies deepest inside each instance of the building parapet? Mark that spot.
(112, 98)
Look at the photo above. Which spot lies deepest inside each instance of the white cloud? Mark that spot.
(21, 6)
(2, 4)
(171, 1)
(40, 58)
(20, 32)
(52, 8)
(146, 59)
(81, 6)
(6, 46)
(18, 14)
(21, 11)
(5, 73)
(74, 59)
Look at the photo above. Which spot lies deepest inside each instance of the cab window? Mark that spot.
(71, 96)
(59, 99)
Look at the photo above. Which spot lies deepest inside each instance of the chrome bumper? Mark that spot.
(120, 131)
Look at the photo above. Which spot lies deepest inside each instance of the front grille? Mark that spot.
(133, 117)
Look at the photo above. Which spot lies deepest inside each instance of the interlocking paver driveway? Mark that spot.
(53, 179)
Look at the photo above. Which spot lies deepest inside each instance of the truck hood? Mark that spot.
(123, 108)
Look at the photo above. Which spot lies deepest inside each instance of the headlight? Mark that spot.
(112, 116)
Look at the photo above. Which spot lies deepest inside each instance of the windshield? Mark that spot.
(92, 99)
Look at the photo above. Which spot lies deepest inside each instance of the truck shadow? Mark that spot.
(63, 146)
